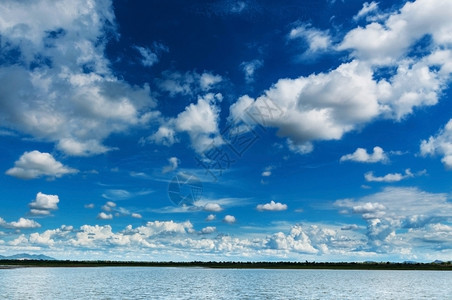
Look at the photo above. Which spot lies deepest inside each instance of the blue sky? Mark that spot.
(319, 130)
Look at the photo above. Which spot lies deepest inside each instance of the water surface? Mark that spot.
(199, 283)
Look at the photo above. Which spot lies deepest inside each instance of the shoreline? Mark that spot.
(12, 264)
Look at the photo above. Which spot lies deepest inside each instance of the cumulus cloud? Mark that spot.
(237, 111)
(391, 177)
(272, 206)
(394, 210)
(361, 155)
(51, 237)
(229, 219)
(35, 164)
(89, 205)
(208, 229)
(440, 144)
(212, 207)
(61, 88)
(22, 223)
(201, 121)
(173, 164)
(44, 204)
(104, 216)
(179, 239)
(108, 206)
(385, 43)
(317, 107)
(414, 83)
(211, 217)
(297, 240)
(165, 135)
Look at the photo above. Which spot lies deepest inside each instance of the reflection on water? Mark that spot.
(197, 283)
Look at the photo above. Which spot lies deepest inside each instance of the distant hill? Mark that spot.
(25, 256)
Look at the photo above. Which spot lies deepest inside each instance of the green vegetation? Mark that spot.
(447, 266)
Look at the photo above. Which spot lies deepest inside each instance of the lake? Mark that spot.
(200, 283)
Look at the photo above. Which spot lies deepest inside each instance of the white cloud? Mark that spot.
(201, 121)
(72, 97)
(165, 135)
(394, 210)
(111, 209)
(267, 171)
(179, 241)
(385, 43)
(136, 215)
(35, 164)
(211, 217)
(173, 164)
(440, 144)
(361, 155)
(90, 205)
(367, 9)
(159, 227)
(188, 83)
(52, 237)
(368, 207)
(108, 206)
(223, 202)
(208, 80)
(44, 204)
(208, 229)
(104, 216)
(212, 207)
(414, 84)
(82, 148)
(229, 219)
(317, 107)
(22, 223)
(391, 177)
(272, 206)
(238, 109)
(297, 240)
(250, 67)
(316, 39)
